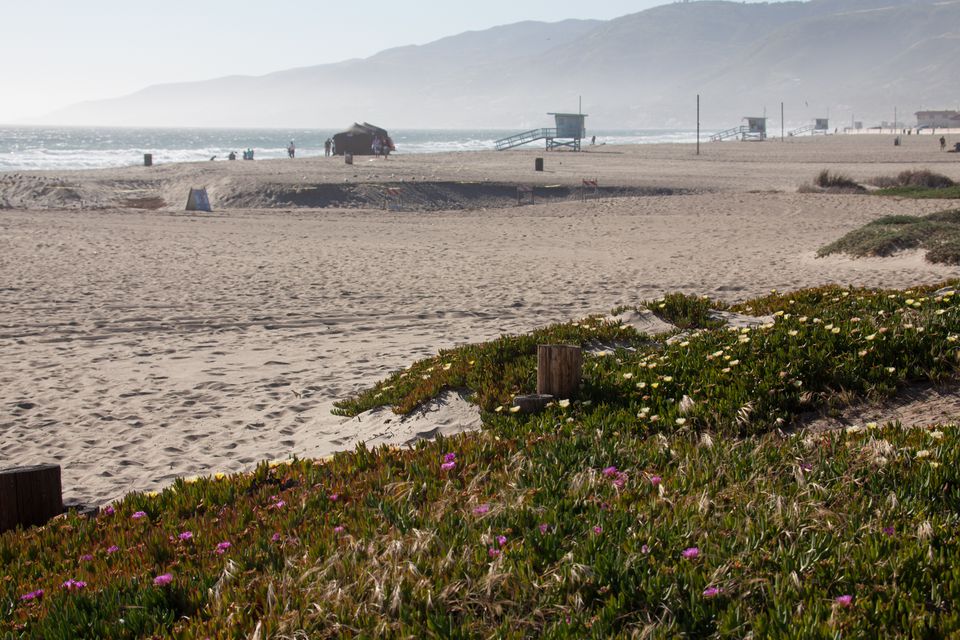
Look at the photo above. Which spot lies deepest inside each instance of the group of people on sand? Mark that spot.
(381, 146)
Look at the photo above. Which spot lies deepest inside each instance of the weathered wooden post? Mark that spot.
(559, 370)
(29, 495)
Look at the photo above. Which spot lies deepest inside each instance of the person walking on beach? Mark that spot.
(326, 147)
(943, 143)
(291, 150)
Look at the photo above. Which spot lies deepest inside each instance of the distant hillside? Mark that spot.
(824, 57)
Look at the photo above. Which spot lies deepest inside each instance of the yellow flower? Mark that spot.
(447, 366)
(681, 421)
(514, 409)
(923, 453)
(793, 332)
(151, 494)
(627, 376)
(934, 465)
(828, 327)
(641, 385)
(499, 409)
(685, 343)
(219, 475)
(190, 479)
(725, 370)
(802, 319)
(734, 363)
(564, 404)
(668, 378)
(936, 435)
(835, 330)
(654, 385)
(871, 336)
(871, 425)
(891, 369)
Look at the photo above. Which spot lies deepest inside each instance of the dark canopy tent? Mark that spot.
(358, 139)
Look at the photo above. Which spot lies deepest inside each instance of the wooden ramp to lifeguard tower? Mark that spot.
(567, 133)
(735, 132)
(525, 138)
(820, 125)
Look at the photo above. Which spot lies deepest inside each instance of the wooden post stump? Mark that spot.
(532, 403)
(558, 370)
(29, 495)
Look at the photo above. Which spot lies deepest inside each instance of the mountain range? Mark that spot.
(842, 59)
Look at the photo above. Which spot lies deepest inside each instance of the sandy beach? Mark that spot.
(140, 343)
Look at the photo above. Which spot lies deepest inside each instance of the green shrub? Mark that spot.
(938, 232)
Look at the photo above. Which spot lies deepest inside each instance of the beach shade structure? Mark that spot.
(358, 140)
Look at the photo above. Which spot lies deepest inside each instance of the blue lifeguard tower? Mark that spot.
(569, 130)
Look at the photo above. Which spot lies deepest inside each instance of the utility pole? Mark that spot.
(781, 122)
(698, 124)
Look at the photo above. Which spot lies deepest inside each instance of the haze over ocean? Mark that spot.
(29, 148)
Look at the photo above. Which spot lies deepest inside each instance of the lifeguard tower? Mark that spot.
(569, 130)
(755, 129)
(820, 126)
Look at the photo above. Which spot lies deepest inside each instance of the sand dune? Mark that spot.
(137, 346)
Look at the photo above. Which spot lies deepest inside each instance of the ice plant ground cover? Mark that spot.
(630, 511)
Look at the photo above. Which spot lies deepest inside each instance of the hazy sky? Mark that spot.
(58, 52)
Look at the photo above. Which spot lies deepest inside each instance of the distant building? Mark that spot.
(938, 119)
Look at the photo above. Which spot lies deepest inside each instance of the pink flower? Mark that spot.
(493, 553)
(644, 549)
(598, 529)
(163, 580)
(222, 547)
(447, 466)
(74, 585)
(186, 535)
(889, 531)
(710, 592)
(108, 510)
(275, 537)
(544, 528)
(113, 548)
(33, 595)
(481, 510)
(87, 557)
(620, 480)
(844, 600)
(655, 480)
(450, 457)
(501, 540)
(610, 472)
(338, 529)
(334, 497)
(280, 504)
(691, 552)
(806, 466)
(139, 514)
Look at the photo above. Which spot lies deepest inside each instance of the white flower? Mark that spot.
(564, 404)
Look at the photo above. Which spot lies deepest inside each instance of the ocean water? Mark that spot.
(41, 148)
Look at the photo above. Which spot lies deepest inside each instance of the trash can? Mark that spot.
(348, 158)
(148, 159)
(538, 164)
